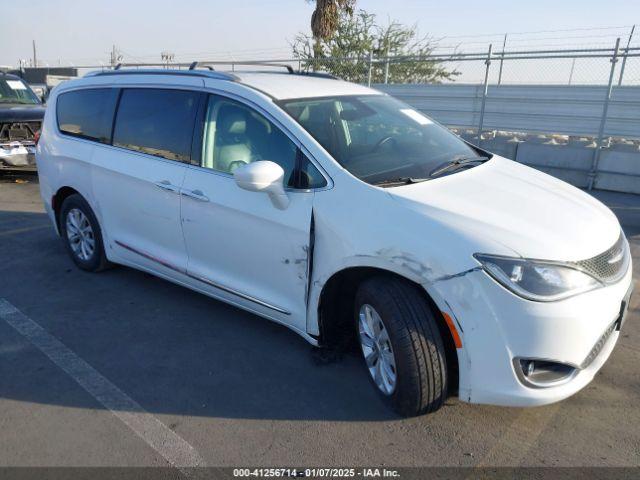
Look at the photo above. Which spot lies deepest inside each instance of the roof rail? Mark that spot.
(245, 63)
(258, 63)
(197, 68)
(195, 64)
(161, 71)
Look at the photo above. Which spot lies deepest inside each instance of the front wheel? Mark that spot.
(401, 344)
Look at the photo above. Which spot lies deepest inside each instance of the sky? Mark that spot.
(83, 31)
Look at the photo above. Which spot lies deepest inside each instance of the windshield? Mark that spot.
(15, 91)
(378, 138)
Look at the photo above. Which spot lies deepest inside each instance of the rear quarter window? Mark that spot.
(87, 113)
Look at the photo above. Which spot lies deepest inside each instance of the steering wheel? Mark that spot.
(255, 157)
(383, 141)
(236, 164)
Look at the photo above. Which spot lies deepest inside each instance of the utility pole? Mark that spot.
(35, 59)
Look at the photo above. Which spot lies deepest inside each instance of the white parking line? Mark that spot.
(176, 450)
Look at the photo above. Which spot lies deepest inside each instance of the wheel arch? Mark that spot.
(62, 193)
(335, 309)
(58, 199)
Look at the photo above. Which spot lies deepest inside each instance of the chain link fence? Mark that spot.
(548, 67)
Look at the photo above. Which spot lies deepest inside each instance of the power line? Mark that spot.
(459, 47)
(500, 34)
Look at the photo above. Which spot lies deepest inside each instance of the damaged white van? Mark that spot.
(342, 213)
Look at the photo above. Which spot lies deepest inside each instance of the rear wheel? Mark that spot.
(81, 234)
(401, 345)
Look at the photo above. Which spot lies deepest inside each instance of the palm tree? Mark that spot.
(325, 18)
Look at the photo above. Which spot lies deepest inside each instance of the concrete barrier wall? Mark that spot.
(618, 171)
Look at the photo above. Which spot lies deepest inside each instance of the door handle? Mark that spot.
(167, 185)
(195, 194)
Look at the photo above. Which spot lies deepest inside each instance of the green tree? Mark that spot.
(346, 53)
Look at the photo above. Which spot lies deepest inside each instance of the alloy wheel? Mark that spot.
(377, 350)
(80, 234)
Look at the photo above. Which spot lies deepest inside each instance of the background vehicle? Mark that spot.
(21, 114)
(340, 212)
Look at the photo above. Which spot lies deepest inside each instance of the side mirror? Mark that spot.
(263, 176)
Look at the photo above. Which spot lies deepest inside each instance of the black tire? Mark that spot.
(420, 358)
(98, 260)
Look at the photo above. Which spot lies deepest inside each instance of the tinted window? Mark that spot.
(235, 135)
(157, 122)
(87, 113)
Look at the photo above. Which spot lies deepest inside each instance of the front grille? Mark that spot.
(18, 131)
(610, 265)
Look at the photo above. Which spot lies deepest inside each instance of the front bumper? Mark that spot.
(17, 156)
(497, 327)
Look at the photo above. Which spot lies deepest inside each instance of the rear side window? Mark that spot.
(157, 122)
(87, 113)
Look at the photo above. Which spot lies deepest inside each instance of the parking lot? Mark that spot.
(222, 387)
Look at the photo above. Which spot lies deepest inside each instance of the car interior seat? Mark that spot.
(232, 145)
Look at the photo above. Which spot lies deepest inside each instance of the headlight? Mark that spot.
(537, 280)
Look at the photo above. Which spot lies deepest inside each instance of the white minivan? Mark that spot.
(343, 214)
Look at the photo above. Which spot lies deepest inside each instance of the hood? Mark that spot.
(21, 113)
(529, 212)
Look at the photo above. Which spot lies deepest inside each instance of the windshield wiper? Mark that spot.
(398, 181)
(455, 164)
